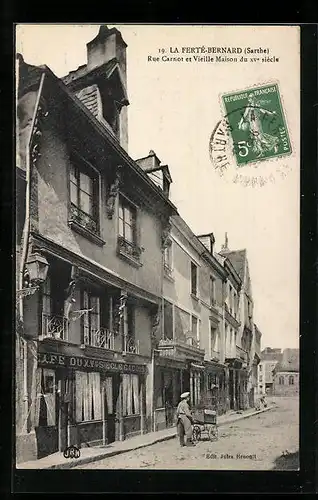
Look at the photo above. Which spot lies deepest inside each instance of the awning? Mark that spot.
(197, 367)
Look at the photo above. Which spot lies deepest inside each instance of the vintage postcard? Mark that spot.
(157, 237)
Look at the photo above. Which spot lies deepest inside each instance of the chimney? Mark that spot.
(150, 162)
(107, 45)
(159, 174)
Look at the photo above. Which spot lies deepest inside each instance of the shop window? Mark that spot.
(281, 380)
(88, 396)
(196, 389)
(109, 395)
(131, 404)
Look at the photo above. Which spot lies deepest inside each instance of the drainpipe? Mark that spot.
(25, 240)
(26, 228)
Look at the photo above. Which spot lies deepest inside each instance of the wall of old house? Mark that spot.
(143, 330)
(286, 389)
(50, 209)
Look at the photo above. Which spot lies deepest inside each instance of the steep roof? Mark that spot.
(271, 356)
(289, 361)
(237, 259)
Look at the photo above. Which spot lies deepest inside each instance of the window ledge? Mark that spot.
(83, 231)
(195, 297)
(131, 260)
(129, 252)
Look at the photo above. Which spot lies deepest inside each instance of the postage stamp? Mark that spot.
(257, 124)
(253, 131)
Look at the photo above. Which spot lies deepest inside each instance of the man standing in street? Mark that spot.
(184, 421)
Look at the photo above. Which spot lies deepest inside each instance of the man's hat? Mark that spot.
(185, 395)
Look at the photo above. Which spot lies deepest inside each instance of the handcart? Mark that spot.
(205, 421)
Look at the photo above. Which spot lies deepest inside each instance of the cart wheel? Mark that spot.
(213, 433)
(196, 433)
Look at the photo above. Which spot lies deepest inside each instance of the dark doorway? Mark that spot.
(47, 429)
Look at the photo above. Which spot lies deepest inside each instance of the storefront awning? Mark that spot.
(197, 367)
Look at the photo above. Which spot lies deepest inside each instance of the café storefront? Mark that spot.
(86, 401)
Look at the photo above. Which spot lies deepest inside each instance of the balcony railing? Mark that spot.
(101, 337)
(189, 341)
(129, 249)
(84, 219)
(131, 345)
(193, 342)
(55, 327)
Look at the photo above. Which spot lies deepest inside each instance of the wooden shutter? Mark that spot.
(135, 388)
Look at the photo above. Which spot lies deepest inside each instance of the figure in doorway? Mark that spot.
(184, 421)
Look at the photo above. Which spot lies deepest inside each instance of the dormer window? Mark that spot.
(111, 112)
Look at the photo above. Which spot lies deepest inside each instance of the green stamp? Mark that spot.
(256, 122)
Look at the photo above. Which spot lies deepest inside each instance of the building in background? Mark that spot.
(90, 233)
(269, 358)
(190, 343)
(244, 385)
(286, 374)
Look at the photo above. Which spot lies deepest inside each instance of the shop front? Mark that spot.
(86, 401)
(216, 386)
(169, 378)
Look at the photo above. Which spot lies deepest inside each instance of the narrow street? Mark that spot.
(262, 442)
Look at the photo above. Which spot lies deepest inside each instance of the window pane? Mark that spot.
(73, 193)
(194, 326)
(121, 227)
(129, 235)
(121, 211)
(193, 278)
(86, 183)
(86, 203)
(73, 174)
(128, 216)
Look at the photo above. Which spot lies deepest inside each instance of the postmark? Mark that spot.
(252, 135)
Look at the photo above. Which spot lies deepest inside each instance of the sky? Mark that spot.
(174, 107)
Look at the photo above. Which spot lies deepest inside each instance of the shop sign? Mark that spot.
(80, 363)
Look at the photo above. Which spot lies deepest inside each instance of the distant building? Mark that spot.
(269, 359)
(286, 374)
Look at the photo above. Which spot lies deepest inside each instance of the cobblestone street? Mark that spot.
(261, 442)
